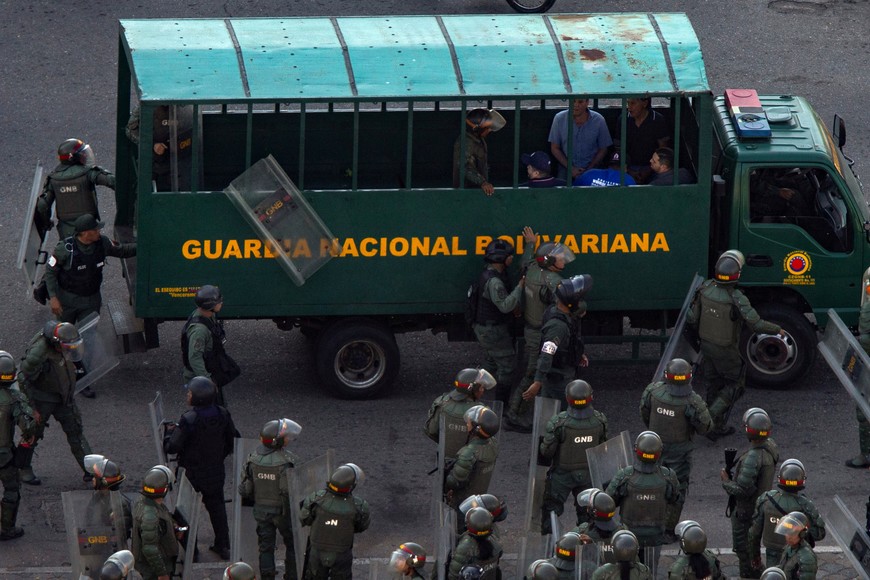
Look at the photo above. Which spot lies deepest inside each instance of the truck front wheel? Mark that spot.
(776, 362)
(357, 359)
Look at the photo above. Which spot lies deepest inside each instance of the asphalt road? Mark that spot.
(58, 74)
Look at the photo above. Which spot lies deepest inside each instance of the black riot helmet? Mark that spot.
(757, 424)
(202, 391)
(498, 251)
(480, 119)
(65, 336)
(792, 475)
(75, 152)
(278, 433)
(158, 481)
(208, 297)
(693, 538)
(484, 421)
(491, 503)
(107, 474)
(773, 573)
(467, 380)
(408, 554)
(118, 566)
(648, 447)
(566, 547)
(552, 256)
(542, 570)
(470, 572)
(478, 522)
(624, 545)
(578, 394)
(728, 267)
(570, 292)
(678, 372)
(603, 508)
(344, 479)
(7, 369)
(239, 571)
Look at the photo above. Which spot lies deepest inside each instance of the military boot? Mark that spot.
(28, 477)
(8, 515)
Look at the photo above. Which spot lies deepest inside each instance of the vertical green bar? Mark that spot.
(301, 183)
(354, 180)
(249, 134)
(195, 154)
(623, 129)
(409, 144)
(461, 161)
(516, 143)
(678, 122)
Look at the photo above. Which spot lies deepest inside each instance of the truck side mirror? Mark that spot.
(840, 131)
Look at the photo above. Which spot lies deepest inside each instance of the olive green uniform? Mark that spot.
(264, 483)
(675, 418)
(73, 260)
(473, 551)
(567, 436)
(199, 344)
(472, 471)
(637, 571)
(452, 406)
(753, 475)
(799, 562)
(155, 547)
(494, 335)
(14, 410)
(682, 570)
(561, 349)
(863, 423)
(719, 312)
(49, 380)
(772, 505)
(334, 519)
(476, 161)
(537, 296)
(85, 202)
(601, 537)
(643, 500)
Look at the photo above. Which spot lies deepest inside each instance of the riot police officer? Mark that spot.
(696, 562)
(566, 438)
(15, 411)
(154, 547)
(645, 490)
(603, 523)
(118, 566)
(862, 460)
(468, 388)
(542, 570)
(753, 476)
(475, 462)
(496, 507)
(479, 123)
(202, 342)
(203, 438)
(543, 274)
(625, 547)
(493, 315)
(408, 560)
(675, 412)
(477, 547)
(719, 310)
(798, 560)
(334, 515)
(565, 557)
(48, 377)
(72, 187)
(264, 485)
(239, 571)
(108, 478)
(775, 503)
(561, 350)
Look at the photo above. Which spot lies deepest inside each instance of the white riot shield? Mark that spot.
(851, 536)
(31, 251)
(588, 560)
(95, 529)
(244, 541)
(158, 429)
(680, 345)
(534, 546)
(608, 458)
(188, 505)
(99, 354)
(283, 219)
(303, 480)
(446, 540)
(847, 359)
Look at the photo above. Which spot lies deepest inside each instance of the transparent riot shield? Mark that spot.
(851, 537)
(608, 458)
(95, 529)
(188, 505)
(380, 570)
(99, 353)
(533, 545)
(31, 251)
(589, 558)
(282, 218)
(446, 540)
(848, 360)
(681, 344)
(304, 480)
(181, 145)
(244, 541)
(650, 558)
(158, 427)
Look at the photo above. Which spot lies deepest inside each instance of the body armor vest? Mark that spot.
(789, 503)
(58, 375)
(74, 195)
(7, 421)
(85, 273)
(487, 311)
(568, 355)
(668, 417)
(218, 339)
(578, 436)
(644, 504)
(332, 531)
(267, 480)
(717, 324)
(167, 544)
(478, 481)
(766, 472)
(454, 429)
(534, 290)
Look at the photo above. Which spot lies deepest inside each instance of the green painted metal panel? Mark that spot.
(397, 57)
(294, 57)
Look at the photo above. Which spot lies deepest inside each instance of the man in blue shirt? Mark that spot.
(604, 177)
(590, 139)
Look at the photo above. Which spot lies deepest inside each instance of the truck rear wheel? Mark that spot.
(774, 362)
(357, 359)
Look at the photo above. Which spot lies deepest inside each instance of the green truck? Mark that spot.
(362, 113)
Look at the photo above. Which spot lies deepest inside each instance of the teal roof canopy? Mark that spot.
(428, 57)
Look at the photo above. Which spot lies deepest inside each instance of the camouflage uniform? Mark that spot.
(476, 161)
(472, 472)
(772, 505)
(154, 547)
(799, 562)
(470, 550)
(453, 406)
(561, 350)
(681, 569)
(15, 411)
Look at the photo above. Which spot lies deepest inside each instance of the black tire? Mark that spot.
(531, 6)
(772, 362)
(357, 358)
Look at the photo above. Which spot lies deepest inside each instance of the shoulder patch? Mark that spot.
(549, 347)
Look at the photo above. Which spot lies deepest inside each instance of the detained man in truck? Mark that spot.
(589, 139)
